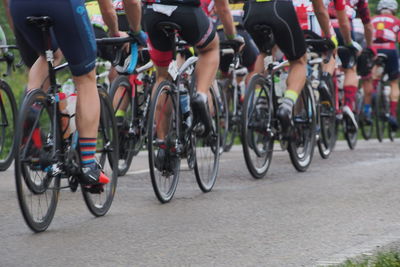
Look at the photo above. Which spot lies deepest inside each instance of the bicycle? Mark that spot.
(44, 158)
(182, 140)
(8, 111)
(381, 101)
(260, 126)
(133, 125)
(232, 94)
(323, 92)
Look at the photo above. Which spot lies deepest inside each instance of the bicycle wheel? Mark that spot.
(208, 149)
(100, 202)
(37, 188)
(257, 137)
(327, 118)
(8, 121)
(366, 128)
(350, 132)
(302, 144)
(232, 123)
(223, 116)
(164, 172)
(120, 93)
(380, 114)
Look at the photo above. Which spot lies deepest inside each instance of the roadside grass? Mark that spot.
(382, 259)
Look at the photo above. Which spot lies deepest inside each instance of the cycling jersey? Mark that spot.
(306, 15)
(174, 2)
(119, 7)
(95, 16)
(386, 30)
(354, 8)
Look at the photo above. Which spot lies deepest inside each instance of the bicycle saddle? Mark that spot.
(44, 22)
(168, 27)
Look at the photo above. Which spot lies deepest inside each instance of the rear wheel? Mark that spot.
(208, 149)
(8, 120)
(107, 156)
(302, 144)
(164, 162)
(257, 138)
(37, 187)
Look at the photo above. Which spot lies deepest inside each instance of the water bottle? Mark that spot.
(184, 101)
(68, 90)
(62, 106)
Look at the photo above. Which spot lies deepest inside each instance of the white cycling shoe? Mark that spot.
(349, 112)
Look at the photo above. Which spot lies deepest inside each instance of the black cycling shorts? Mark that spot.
(197, 30)
(249, 52)
(27, 52)
(281, 17)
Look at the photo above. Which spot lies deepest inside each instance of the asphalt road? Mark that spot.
(340, 207)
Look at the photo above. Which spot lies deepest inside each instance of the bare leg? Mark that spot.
(297, 75)
(207, 65)
(88, 105)
(38, 74)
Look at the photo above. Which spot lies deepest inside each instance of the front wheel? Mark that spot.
(107, 156)
(8, 120)
(302, 143)
(35, 141)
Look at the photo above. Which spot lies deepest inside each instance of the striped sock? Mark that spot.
(88, 150)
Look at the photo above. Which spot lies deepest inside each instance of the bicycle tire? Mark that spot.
(7, 131)
(302, 144)
(379, 112)
(254, 122)
(327, 119)
(126, 142)
(34, 105)
(206, 174)
(107, 156)
(350, 134)
(158, 177)
(224, 117)
(232, 126)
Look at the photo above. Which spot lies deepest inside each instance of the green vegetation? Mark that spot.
(382, 259)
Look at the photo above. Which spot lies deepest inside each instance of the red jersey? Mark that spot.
(386, 31)
(354, 8)
(306, 15)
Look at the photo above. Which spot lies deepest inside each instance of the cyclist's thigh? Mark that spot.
(27, 52)
(74, 35)
(286, 29)
(225, 60)
(250, 50)
(392, 64)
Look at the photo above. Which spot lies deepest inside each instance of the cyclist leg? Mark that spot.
(282, 18)
(79, 47)
(392, 69)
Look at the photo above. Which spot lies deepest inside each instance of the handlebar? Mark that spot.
(9, 58)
